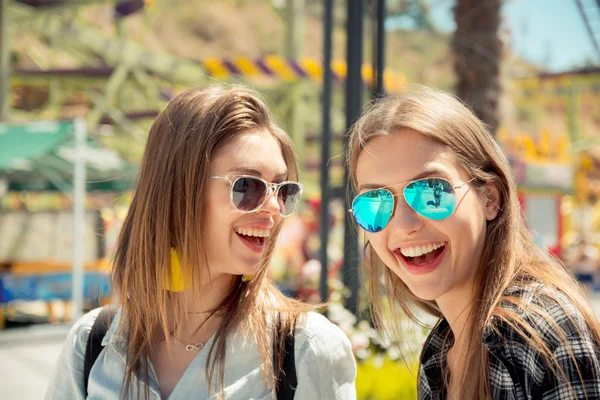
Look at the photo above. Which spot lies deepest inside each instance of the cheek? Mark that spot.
(218, 220)
(378, 243)
(467, 227)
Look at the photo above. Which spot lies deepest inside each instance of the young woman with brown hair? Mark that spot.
(198, 317)
(443, 228)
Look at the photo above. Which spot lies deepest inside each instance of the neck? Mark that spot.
(195, 308)
(456, 306)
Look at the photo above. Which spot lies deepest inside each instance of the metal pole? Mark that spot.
(4, 61)
(78, 217)
(325, 148)
(294, 41)
(354, 89)
(379, 51)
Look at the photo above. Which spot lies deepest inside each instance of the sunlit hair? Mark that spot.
(510, 257)
(167, 211)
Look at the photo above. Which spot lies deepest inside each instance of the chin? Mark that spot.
(250, 268)
(427, 293)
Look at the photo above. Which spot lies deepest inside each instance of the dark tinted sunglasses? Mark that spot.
(249, 193)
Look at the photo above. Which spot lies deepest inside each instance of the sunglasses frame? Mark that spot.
(272, 188)
(402, 194)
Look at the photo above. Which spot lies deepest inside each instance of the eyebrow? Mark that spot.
(255, 172)
(428, 172)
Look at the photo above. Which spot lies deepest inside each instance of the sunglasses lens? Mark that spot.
(372, 210)
(248, 193)
(433, 198)
(288, 197)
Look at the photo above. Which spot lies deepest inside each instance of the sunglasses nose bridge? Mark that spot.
(404, 217)
(272, 190)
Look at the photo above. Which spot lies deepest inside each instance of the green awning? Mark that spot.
(40, 156)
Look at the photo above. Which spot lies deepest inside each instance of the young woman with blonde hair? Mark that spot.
(443, 228)
(198, 317)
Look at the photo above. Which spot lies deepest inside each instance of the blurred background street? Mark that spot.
(28, 355)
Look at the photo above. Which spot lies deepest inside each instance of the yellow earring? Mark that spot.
(178, 282)
(246, 278)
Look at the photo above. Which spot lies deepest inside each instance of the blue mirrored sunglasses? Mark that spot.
(433, 198)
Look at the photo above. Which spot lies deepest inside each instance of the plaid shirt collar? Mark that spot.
(433, 358)
(515, 372)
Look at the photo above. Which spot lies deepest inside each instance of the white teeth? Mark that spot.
(420, 250)
(254, 232)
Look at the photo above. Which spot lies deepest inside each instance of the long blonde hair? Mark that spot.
(510, 257)
(170, 193)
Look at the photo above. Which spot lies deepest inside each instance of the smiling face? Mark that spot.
(435, 259)
(235, 240)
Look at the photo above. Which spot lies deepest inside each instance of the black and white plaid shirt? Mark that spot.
(516, 371)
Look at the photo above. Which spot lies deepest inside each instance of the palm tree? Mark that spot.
(478, 52)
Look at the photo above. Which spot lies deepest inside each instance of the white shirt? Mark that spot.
(325, 366)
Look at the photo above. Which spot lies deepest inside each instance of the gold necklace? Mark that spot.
(190, 347)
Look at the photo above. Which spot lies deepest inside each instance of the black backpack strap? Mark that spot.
(94, 342)
(287, 381)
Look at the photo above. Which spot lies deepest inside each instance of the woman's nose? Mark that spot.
(405, 220)
(271, 203)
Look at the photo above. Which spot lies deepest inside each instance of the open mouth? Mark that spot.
(256, 241)
(421, 255)
(254, 238)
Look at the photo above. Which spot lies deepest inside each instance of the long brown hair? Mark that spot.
(510, 257)
(169, 194)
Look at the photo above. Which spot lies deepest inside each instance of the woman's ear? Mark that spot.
(492, 200)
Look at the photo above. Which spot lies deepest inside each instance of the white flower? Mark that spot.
(394, 352)
(378, 360)
(346, 327)
(335, 296)
(364, 325)
(363, 354)
(312, 269)
(359, 341)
